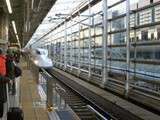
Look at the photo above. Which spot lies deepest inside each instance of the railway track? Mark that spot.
(77, 104)
(116, 83)
(109, 109)
(83, 108)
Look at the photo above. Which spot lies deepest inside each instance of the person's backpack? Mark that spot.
(17, 71)
(15, 113)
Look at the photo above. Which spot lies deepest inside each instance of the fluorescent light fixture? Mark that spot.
(15, 31)
(9, 6)
(32, 4)
(17, 38)
(14, 27)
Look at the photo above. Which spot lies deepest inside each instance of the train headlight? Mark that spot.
(36, 61)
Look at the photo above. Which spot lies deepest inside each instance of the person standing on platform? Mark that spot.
(2, 63)
(16, 56)
(10, 70)
(3, 78)
(3, 47)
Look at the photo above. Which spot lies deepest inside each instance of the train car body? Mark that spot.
(40, 58)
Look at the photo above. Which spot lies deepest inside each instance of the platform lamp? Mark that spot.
(15, 31)
(9, 6)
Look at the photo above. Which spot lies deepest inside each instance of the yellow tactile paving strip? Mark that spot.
(29, 96)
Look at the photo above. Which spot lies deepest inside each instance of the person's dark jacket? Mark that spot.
(9, 66)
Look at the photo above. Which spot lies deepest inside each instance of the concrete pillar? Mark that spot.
(4, 25)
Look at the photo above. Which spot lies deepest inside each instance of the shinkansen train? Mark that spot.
(40, 58)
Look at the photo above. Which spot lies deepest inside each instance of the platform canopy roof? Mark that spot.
(27, 14)
(51, 20)
(58, 12)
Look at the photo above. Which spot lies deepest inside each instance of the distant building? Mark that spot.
(144, 17)
(118, 25)
(134, 6)
(143, 3)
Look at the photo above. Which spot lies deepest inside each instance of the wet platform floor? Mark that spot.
(29, 98)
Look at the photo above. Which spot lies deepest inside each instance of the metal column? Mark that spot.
(65, 45)
(54, 52)
(79, 49)
(71, 46)
(128, 46)
(61, 53)
(49, 92)
(110, 49)
(56, 58)
(90, 40)
(94, 40)
(105, 42)
(135, 47)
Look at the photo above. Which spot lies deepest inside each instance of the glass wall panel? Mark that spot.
(118, 38)
(144, 48)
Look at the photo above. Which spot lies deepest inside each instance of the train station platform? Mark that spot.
(29, 96)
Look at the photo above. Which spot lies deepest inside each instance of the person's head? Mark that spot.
(9, 51)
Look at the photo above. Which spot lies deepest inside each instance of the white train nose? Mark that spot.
(40, 58)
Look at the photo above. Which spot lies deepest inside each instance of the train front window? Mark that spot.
(38, 52)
